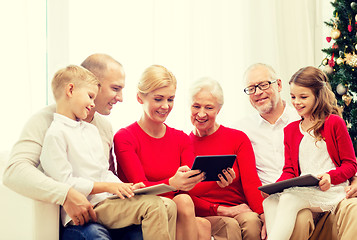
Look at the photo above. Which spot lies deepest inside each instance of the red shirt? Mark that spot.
(142, 158)
(244, 189)
(339, 146)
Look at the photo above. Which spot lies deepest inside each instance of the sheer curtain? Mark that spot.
(22, 64)
(192, 38)
(196, 38)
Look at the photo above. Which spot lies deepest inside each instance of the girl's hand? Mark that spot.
(264, 195)
(182, 179)
(351, 190)
(325, 181)
(230, 176)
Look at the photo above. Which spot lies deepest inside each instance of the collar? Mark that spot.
(67, 121)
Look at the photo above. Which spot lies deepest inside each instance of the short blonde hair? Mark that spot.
(72, 74)
(155, 77)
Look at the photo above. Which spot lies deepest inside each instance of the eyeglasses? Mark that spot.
(262, 86)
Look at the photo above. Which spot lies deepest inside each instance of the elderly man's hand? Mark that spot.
(78, 208)
(351, 190)
(230, 176)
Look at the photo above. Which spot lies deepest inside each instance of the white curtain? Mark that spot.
(196, 38)
(193, 38)
(22, 64)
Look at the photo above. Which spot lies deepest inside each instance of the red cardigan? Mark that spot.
(142, 158)
(339, 147)
(207, 196)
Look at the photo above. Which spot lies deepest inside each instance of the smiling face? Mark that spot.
(303, 99)
(157, 104)
(265, 101)
(81, 101)
(111, 91)
(204, 110)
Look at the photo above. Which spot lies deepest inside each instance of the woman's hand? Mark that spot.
(230, 176)
(233, 211)
(351, 190)
(325, 181)
(182, 179)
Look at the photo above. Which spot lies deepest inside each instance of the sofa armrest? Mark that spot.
(25, 218)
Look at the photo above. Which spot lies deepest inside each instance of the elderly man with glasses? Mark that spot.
(265, 130)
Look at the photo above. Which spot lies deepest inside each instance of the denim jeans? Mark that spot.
(95, 231)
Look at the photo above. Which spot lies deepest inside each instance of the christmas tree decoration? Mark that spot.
(335, 33)
(339, 61)
(351, 59)
(328, 39)
(349, 28)
(354, 6)
(341, 89)
(347, 99)
(327, 69)
(343, 75)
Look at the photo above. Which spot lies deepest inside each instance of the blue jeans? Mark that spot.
(95, 231)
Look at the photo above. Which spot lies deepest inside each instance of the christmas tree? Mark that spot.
(340, 63)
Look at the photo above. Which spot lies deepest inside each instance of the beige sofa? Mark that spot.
(25, 218)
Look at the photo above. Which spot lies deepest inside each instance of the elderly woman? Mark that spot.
(232, 205)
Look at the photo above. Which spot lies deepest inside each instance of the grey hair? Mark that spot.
(210, 85)
(271, 70)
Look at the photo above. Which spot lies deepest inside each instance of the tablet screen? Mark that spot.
(213, 165)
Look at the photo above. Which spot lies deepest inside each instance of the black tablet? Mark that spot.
(213, 165)
(301, 181)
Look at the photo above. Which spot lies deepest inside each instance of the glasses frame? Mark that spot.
(258, 86)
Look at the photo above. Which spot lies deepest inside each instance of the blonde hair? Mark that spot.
(155, 77)
(72, 74)
(325, 104)
(210, 85)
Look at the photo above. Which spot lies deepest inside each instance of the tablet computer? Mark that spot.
(301, 181)
(152, 190)
(213, 165)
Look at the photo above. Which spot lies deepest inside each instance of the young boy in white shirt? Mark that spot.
(73, 153)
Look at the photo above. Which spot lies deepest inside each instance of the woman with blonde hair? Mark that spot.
(151, 152)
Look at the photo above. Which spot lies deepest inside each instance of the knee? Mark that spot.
(203, 224)
(304, 220)
(171, 208)
(185, 206)
(250, 224)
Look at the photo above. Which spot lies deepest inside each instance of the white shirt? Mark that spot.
(73, 153)
(268, 142)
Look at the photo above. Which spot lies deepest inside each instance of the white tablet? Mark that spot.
(152, 190)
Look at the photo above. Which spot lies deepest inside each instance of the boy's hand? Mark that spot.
(325, 181)
(122, 190)
(137, 186)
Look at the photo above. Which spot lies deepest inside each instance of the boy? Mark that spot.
(72, 153)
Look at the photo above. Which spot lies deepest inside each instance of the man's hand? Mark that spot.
(230, 176)
(78, 208)
(233, 211)
(351, 190)
(325, 181)
(263, 233)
